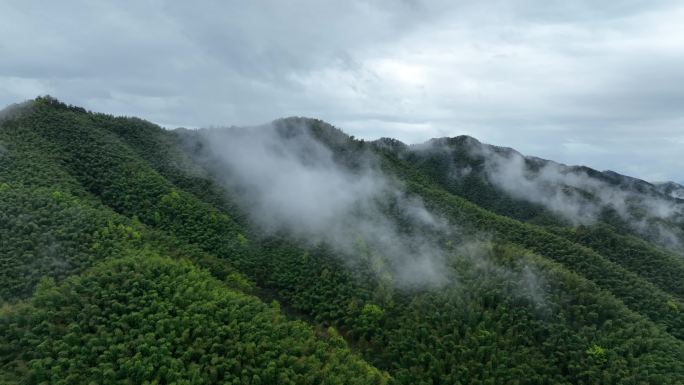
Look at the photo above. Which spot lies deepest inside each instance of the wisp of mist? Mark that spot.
(289, 181)
(580, 198)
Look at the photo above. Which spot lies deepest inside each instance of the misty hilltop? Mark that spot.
(293, 253)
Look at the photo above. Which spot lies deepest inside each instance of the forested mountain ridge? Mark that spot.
(432, 274)
(542, 191)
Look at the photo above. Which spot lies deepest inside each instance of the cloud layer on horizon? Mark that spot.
(578, 82)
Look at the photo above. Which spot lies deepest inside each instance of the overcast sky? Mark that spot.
(599, 83)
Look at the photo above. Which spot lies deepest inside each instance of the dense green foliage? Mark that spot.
(97, 204)
(148, 319)
(657, 266)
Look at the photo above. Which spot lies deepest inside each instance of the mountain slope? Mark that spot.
(65, 228)
(146, 318)
(470, 296)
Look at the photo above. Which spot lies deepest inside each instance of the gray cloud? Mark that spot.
(578, 82)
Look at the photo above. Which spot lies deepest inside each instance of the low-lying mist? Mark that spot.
(12, 111)
(321, 186)
(578, 195)
(291, 182)
(583, 199)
